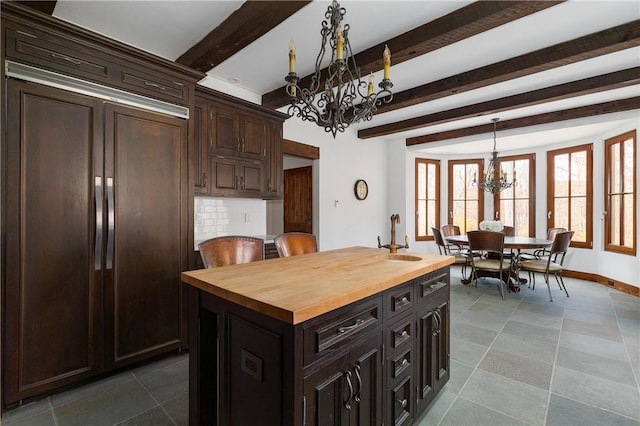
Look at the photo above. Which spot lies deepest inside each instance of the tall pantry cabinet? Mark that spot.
(95, 206)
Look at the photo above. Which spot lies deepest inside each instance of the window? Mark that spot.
(516, 206)
(427, 198)
(620, 193)
(466, 202)
(570, 192)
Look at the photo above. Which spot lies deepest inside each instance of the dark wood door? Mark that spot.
(426, 359)
(253, 140)
(224, 130)
(201, 172)
(145, 171)
(298, 207)
(366, 361)
(326, 393)
(274, 152)
(225, 178)
(251, 177)
(441, 347)
(52, 298)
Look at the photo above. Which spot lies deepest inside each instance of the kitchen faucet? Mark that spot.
(392, 246)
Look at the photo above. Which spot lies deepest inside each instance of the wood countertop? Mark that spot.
(298, 288)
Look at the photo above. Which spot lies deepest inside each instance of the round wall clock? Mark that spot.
(361, 189)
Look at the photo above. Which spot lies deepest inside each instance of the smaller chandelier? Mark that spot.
(338, 97)
(494, 180)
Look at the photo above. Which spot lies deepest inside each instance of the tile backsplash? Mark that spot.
(215, 217)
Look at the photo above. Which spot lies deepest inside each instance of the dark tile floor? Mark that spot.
(519, 361)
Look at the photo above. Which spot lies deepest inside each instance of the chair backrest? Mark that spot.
(231, 250)
(561, 245)
(437, 236)
(449, 230)
(486, 241)
(552, 232)
(509, 231)
(295, 243)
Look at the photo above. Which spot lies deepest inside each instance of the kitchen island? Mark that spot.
(347, 336)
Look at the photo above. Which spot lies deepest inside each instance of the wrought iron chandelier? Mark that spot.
(337, 97)
(494, 180)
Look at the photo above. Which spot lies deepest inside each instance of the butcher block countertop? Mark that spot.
(298, 288)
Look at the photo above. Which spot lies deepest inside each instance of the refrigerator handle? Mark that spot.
(98, 241)
(110, 223)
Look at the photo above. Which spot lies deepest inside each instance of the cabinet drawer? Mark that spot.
(401, 333)
(401, 364)
(157, 86)
(400, 403)
(399, 300)
(335, 331)
(49, 52)
(431, 283)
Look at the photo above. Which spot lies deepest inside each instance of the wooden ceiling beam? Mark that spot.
(460, 24)
(611, 40)
(42, 6)
(600, 83)
(301, 150)
(533, 120)
(251, 21)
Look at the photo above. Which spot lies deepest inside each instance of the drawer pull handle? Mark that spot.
(437, 285)
(346, 328)
(404, 301)
(156, 85)
(357, 370)
(66, 58)
(403, 402)
(404, 362)
(404, 334)
(347, 403)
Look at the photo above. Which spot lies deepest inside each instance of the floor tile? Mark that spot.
(168, 382)
(90, 389)
(466, 352)
(525, 347)
(532, 331)
(608, 330)
(465, 412)
(472, 333)
(27, 411)
(567, 412)
(178, 410)
(459, 375)
(437, 409)
(526, 370)
(605, 368)
(114, 404)
(612, 396)
(594, 345)
(41, 419)
(154, 417)
(516, 399)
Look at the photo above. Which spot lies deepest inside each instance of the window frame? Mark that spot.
(608, 143)
(532, 190)
(427, 162)
(479, 162)
(588, 148)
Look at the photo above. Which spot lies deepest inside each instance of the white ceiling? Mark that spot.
(169, 28)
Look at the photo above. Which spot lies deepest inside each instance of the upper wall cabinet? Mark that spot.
(238, 147)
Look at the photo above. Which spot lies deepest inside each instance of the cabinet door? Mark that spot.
(201, 173)
(274, 158)
(251, 178)
(441, 349)
(225, 175)
(52, 305)
(327, 392)
(253, 139)
(426, 377)
(224, 130)
(366, 362)
(145, 170)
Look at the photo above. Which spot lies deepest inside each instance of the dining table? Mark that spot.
(517, 243)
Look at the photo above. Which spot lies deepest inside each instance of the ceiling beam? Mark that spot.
(42, 6)
(533, 120)
(600, 83)
(251, 21)
(460, 24)
(301, 150)
(590, 46)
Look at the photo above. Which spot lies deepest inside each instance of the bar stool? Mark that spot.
(231, 250)
(295, 243)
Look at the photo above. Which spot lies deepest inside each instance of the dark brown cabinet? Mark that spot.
(96, 205)
(380, 360)
(238, 150)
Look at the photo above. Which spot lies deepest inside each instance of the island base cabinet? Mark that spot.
(346, 391)
(350, 366)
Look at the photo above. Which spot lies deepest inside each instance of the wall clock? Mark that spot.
(361, 189)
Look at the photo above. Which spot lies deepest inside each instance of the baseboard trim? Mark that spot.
(608, 282)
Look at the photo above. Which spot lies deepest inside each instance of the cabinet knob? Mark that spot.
(404, 333)
(405, 362)
(403, 402)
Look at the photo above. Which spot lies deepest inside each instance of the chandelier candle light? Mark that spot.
(344, 98)
(494, 181)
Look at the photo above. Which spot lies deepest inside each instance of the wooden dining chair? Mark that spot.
(444, 249)
(552, 264)
(494, 263)
(295, 243)
(541, 253)
(231, 250)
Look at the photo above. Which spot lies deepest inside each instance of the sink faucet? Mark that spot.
(392, 246)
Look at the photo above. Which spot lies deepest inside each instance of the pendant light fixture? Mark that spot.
(337, 97)
(495, 179)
